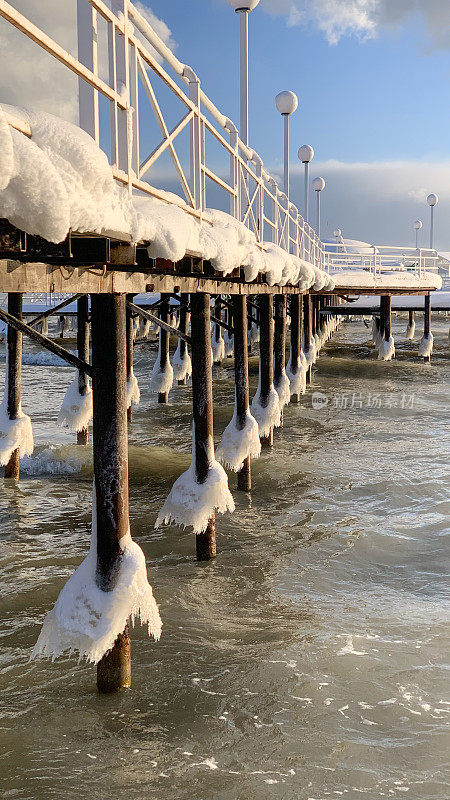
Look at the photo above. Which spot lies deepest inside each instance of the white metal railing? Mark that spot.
(134, 55)
(379, 258)
(138, 63)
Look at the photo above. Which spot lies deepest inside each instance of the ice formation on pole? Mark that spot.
(386, 350)
(76, 408)
(133, 391)
(218, 349)
(162, 374)
(182, 364)
(297, 380)
(267, 416)
(190, 503)
(86, 619)
(426, 346)
(410, 330)
(15, 434)
(228, 343)
(239, 443)
(283, 390)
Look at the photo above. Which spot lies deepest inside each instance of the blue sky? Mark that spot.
(362, 101)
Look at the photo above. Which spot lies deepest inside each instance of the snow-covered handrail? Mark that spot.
(138, 57)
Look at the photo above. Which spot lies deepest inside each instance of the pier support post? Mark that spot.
(83, 353)
(266, 355)
(427, 321)
(296, 336)
(218, 314)
(183, 327)
(129, 336)
(307, 330)
(202, 402)
(410, 318)
(164, 338)
(110, 448)
(244, 478)
(14, 376)
(279, 340)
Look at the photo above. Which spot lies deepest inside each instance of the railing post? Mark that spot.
(121, 141)
(196, 140)
(235, 199)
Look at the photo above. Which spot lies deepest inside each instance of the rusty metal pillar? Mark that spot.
(244, 478)
(296, 336)
(387, 322)
(183, 328)
(110, 446)
(202, 402)
(164, 339)
(129, 336)
(279, 340)
(83, 353)
(427, 320)
(307, 328)
(383, 315)
(14, 376)
(266, 355)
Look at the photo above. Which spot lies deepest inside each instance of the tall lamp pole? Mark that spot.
(306, 155)
(417, 226)
(243, 8)
(287, 103)
(318, 186)
(432, 201)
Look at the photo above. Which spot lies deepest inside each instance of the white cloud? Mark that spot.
(379, 201)
(364, 18)
(30, 77)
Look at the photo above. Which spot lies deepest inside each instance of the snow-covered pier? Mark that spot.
(79, 220)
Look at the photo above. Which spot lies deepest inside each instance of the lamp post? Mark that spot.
(306, 155)
(287, 103)
(244, 7)
(417, 226)
(432, 201)
(318, 186)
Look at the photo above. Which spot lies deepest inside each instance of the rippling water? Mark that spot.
(308, 660)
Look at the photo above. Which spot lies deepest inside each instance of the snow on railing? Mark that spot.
(135, 56)
(379, 258)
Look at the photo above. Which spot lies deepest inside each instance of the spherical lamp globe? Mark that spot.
(306, 153)
(418, 225)
(286, 102)
(243, 5)
(432, 199)
(318, 184)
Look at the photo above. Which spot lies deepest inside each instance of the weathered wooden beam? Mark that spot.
(83, 354)
(266, 355)
(183, 328)
(110, 447)
(13, 377)
(307, 328)
(279, 353)
(160, 322)
(244, 479)
(129, 337)
(46, 343)
(202, 403)
(221, 323)
(427, 321)
(164, 340)
(296, 336)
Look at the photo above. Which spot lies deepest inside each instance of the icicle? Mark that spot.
(426, 346)
(87, 620)
(191, 504)
(76, 408)
(410, 330)
(386, 349)
(237, 444)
